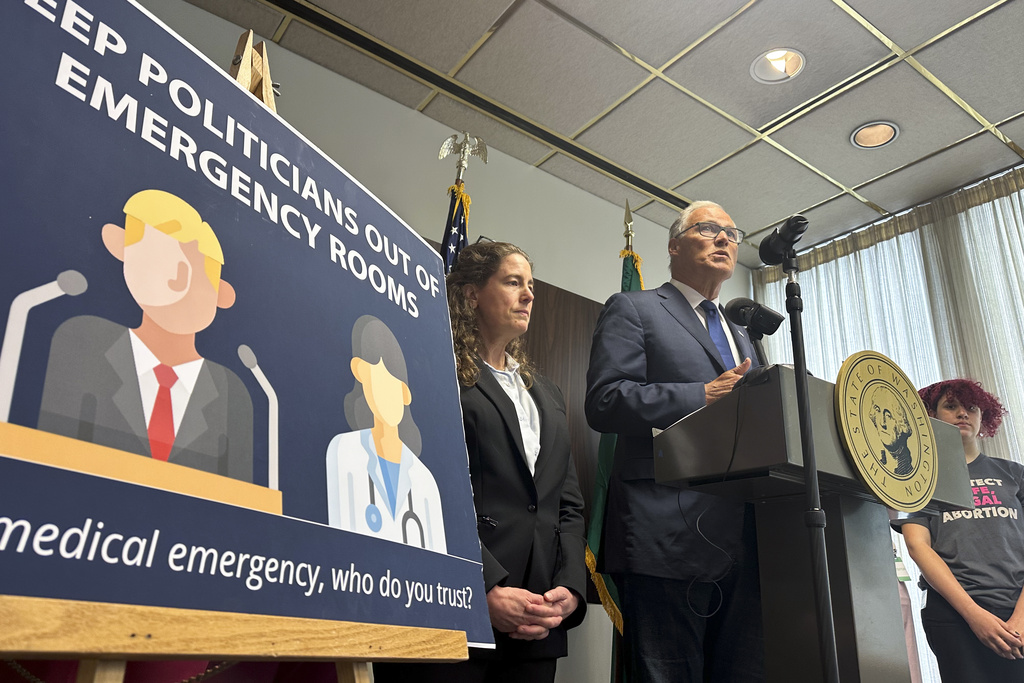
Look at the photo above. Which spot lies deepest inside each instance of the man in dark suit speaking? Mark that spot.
(685, 562)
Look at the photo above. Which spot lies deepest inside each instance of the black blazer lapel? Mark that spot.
(490, 388)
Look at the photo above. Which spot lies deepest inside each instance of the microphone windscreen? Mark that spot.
(739, 310)
(770, 253)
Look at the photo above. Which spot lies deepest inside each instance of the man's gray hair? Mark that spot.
(684, 220)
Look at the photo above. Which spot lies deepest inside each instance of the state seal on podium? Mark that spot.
(886, 431)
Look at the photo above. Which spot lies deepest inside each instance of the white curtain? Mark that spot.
(939, 289)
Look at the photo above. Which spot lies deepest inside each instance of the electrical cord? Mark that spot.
(696, 530)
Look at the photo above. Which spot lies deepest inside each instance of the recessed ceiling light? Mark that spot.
(777, 66)
(875, 134)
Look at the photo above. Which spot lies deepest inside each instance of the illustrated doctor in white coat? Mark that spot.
(376, 485)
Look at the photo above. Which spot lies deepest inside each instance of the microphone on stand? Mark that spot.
(759, 320)
(778, 248)
(775, 246)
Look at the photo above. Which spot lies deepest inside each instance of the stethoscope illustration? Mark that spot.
(374, 518)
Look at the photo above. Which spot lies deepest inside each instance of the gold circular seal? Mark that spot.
(885, 429)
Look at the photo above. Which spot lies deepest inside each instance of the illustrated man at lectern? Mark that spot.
(685, 562)
(147, 390)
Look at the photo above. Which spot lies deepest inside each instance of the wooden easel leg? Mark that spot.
(266, 93)
(101, 671)
(241, 64)
(251, 68)
(353, 672)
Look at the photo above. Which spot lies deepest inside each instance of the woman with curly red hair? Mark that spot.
(972, 561)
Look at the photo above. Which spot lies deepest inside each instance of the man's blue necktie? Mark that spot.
(717, 332)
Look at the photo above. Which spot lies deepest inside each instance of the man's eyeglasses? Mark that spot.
(711, 230)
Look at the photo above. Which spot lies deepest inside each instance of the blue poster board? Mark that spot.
(190, 287)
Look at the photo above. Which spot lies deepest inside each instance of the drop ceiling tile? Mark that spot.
(981, 62)
(834, 44)
(459, 117)
(352, 64)
(653, 30)
(586, 178)
(436, 33)
(664, 135)
(263, 20)
(550, 71)
(835, 217)
(660, 214)
(969, 161)
(759, 186)
(908, 23)
(928, 121)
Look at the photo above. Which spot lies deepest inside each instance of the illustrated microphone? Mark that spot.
(248, 358)
(774, 247)
(757, 318)
(69, 283)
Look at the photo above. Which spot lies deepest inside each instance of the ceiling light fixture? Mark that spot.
(777, 66)
(874, 134)
(777, 59)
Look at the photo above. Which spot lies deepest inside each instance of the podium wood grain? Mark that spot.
(36, 628)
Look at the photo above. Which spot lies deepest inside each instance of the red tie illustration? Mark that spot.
(161, 423)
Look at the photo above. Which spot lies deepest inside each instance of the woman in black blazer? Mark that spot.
(528, 502)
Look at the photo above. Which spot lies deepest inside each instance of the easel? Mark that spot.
(47, 628)
(103, 636)
(251, 68)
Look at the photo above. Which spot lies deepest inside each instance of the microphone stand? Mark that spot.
(814, 517)
(755, 339)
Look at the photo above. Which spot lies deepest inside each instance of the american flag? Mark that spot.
(455, 226)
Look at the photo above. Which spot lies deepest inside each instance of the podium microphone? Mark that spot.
(757, 318)
(774, 247)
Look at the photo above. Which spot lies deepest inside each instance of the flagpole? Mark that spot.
(631, 280)
(628, 222)
(457, 220)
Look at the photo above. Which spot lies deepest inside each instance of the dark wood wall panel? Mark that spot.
(558, 342)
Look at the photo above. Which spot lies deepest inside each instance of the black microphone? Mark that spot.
(756, 317)
(774, 247)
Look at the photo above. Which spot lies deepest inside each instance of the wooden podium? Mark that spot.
(747, 446)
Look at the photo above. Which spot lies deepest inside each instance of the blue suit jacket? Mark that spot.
(649, 362)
